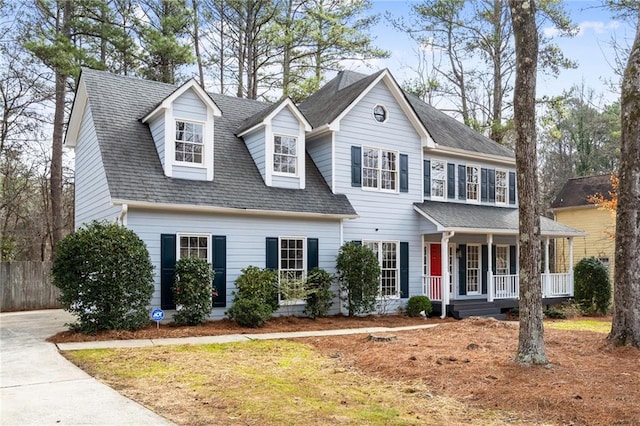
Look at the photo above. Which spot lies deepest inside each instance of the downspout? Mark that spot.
(122, 218)
(444, 284)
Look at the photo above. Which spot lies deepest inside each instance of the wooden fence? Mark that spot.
(26, 286)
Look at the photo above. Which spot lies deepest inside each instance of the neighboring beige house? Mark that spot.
(572, 208)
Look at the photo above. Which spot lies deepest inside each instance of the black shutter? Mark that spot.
(356, 166)
(483, 185)
(492, 186)
(512, 188)
(512, 260)
(485, 268)
(357, 242)
(493, 259)
(462, 270)
(219, 264)
(271, 261)
(404, 270)
(451, 180)
(462, 182)
(312, 253)
(167, 270)
(426, 178)
(404, 173)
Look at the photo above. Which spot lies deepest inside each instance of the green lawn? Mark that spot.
(598, 325)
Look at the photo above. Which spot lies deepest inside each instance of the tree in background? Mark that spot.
(531, 349)
(625, 329)
(476, 38)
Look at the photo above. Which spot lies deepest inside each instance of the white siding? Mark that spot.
(246, 239)
(189, 106)
(285, 123)
(383, 216)
(186, 172)
(256, 145)
(157, 132)
(92, 197)
(320, 151)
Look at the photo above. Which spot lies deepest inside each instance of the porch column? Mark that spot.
(444, 278)
(489, 276)
(570, 271)
(545, 279)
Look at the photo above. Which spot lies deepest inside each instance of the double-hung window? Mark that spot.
(189, 143)
(501, 187)
(502, 260)
(379, 169)
(473, 183)
(387, 253)
(194, 245)
(285, 154)
(438, 178)
(292, 269)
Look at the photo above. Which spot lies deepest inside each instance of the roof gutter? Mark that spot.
(228, 210)
(475, 155)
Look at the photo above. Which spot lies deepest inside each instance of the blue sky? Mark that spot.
(591, 48)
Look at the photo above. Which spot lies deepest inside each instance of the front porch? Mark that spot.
(460, 309)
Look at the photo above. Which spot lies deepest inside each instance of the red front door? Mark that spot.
(435, 260)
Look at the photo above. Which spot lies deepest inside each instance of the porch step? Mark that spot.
(460, 312)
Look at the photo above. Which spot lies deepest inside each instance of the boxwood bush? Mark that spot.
(417, 304)
(359, 277)
(255, 298)
(193, 291)
(592, 286)
(105, 278)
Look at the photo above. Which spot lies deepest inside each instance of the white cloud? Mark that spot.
(597, 27)
(550, 32)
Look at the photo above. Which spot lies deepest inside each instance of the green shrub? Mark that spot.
(418, 304)
(250, 312)
(554, 313)
(105, 278)
(255, 298)
(193, 291)
(320, 297)
(592, 286)
(258, 283)
(359, 277)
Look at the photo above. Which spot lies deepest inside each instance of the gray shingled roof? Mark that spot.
(134, 171)
(258, 117)
(576, 191)
(459, 216)
(326, 104)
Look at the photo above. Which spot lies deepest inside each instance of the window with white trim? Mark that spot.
(388, 257)
(502, 260)
(292, 272)
(438, 178)
(285, 154)
(473, 269)
(189, 142)
(502, 189)
(473, 183)
(193, 245)
(379, 169)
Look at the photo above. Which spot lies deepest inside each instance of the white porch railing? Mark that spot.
(557, 285)
(553, 285)
(432, 288)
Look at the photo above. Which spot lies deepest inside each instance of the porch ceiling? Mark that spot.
(469, 218)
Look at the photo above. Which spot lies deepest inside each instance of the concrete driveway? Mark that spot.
(39, 386)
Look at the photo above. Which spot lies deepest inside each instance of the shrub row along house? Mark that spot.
(240, 182)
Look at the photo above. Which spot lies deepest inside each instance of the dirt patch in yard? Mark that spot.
(225, 326)
(588, 382)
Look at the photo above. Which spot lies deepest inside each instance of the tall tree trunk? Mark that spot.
(196, 42)
(496, 119)
(625, 329)
(58, 131)
(531, 348)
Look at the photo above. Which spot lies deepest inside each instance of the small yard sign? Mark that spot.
(157, 315)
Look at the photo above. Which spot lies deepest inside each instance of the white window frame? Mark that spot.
(203, 144)
(396, 270)
(477, 270)
(468, 183)
(444, 179)
(179, 236)
(505, 187)
(507, 268)
(386, 113)
(295, 157)
(379, 170)
(304, 271)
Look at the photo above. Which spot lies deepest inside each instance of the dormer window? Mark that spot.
(380, 113)
(285, 155)
(189, 142)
